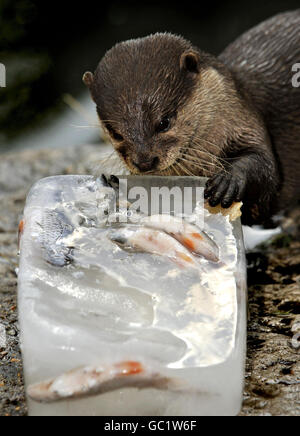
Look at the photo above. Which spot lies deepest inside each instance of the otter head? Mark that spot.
(148, 97)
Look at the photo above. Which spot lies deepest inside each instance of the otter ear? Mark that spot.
(190, 61)
(88, 78)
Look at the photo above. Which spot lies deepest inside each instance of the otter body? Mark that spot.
(172, 109)
(262, 61)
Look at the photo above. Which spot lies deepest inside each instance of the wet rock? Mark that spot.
(273, 363)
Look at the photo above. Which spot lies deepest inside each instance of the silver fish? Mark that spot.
(189, 235)
(55, 227)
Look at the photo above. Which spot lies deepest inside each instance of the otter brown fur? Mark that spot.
(172, 109)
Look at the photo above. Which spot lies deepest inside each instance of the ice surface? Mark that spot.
(84, 301)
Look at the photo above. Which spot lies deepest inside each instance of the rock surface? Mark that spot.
(272, 384)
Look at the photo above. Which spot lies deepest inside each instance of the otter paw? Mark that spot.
(225, 189)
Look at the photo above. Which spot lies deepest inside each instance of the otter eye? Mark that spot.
(117, 136)
(164, 125)
(113, 133)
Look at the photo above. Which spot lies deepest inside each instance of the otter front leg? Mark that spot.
(253, 179)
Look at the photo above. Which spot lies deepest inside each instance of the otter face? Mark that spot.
(157, 98)
(145, 147)
(140, 88)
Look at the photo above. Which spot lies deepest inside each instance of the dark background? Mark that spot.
(47, 45)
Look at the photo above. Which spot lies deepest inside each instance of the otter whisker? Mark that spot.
(195, 159)
(199, 167)
(175, 165)
(203, 168)
(179, 172)
(109, 157)
(199, 148)
(86, 127)
(170, 170)
(207, 153)
(213, 163)
(111, 161)
(199, 140)
(185, 169)
(211, 143)
(76, 106)
(108, 120)
(192, 162)
(175, 169)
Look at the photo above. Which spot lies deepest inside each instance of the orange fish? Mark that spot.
(20, 232)
(155, 242)
(95, 380)
(189, 235)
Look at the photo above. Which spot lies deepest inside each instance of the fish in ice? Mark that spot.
(189, 235)
(55, 226)
(20, 232)
(155, 242)
(95, 380)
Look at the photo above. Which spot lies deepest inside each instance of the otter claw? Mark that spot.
(225, 189)
(111, 182)
(114, 182)
(104, 180)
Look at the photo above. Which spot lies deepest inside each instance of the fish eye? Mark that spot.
(113, 133)
(164, 125)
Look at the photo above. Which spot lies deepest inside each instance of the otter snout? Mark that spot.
(146, 164)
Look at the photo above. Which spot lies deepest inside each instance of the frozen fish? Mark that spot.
(95, 380)
(189, 235)
(20, 232)
(155, 242)
(55, 227)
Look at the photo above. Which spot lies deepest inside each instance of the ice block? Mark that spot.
(90, 310)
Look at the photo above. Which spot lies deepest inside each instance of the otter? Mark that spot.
(173, 109)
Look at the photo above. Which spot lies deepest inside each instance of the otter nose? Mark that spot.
(147, 165)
